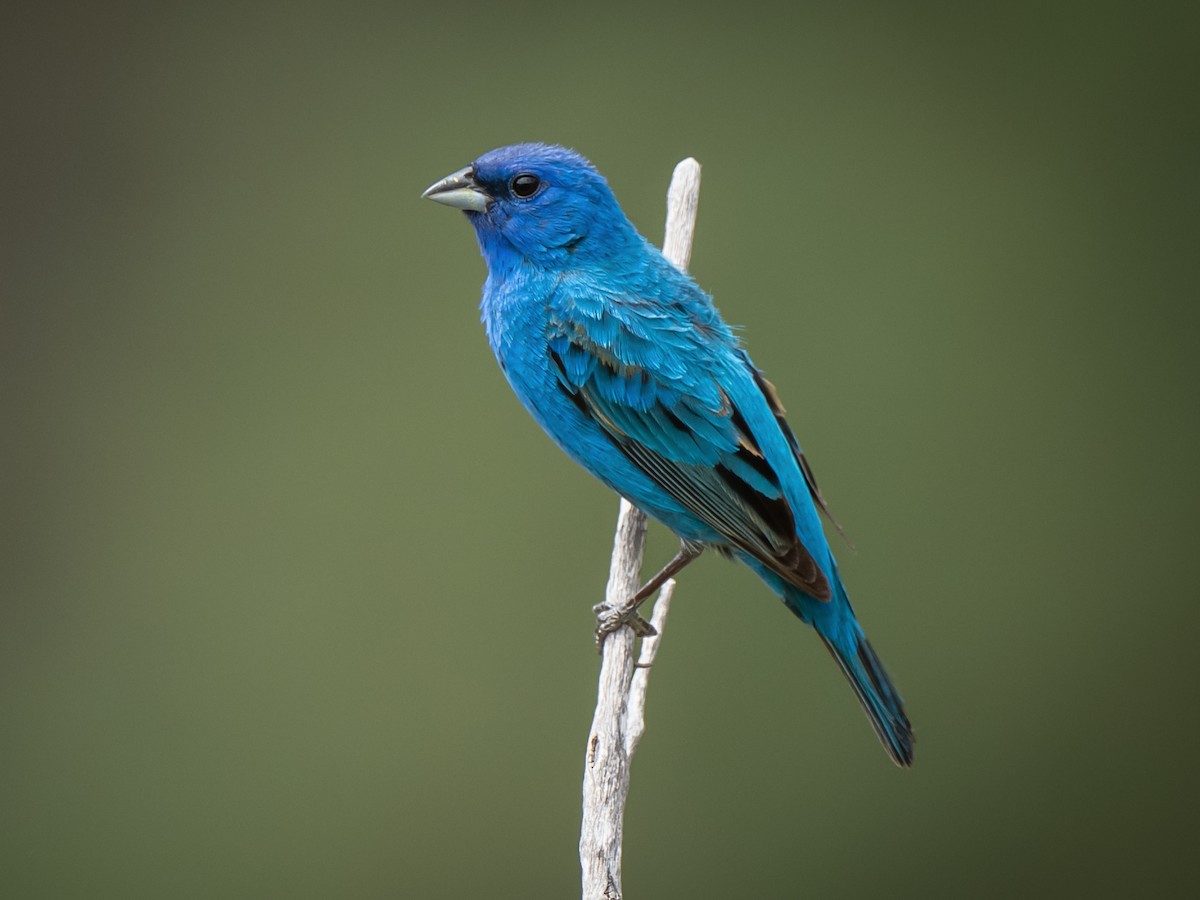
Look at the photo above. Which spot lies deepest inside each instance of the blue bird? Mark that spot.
(625, 362)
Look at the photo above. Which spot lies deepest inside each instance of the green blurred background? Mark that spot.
(296, 598)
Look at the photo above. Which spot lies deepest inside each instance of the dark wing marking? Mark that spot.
(706, 459)
(768, 391)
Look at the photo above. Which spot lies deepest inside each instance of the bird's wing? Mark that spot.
(777, 410)
(687, 435)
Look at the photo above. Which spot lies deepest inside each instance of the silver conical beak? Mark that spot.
(459, 190)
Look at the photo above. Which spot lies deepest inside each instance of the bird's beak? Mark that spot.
(459, 190)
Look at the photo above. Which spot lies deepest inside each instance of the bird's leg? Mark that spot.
(687, 552)
(609, 619)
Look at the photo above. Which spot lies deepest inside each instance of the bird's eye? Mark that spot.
(525, 185)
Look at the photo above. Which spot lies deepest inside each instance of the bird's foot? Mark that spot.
(609, 619)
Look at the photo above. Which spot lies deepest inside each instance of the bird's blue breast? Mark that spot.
(523, 316)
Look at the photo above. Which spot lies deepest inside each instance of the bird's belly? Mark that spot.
(586, 443)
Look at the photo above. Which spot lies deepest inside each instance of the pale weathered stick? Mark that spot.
(619, 720)
(635, 724)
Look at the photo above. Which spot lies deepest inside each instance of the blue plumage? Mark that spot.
(627, 365)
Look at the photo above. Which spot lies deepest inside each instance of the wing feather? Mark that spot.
(689, 438)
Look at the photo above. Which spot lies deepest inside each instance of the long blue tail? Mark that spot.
(837, 626)
(877, 695)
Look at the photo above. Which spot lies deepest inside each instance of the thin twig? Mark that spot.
(619, 720)
(636, 714)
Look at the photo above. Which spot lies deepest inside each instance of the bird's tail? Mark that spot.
(876, 693)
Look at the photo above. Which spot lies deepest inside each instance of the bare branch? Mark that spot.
(636, 714)
(619, 720)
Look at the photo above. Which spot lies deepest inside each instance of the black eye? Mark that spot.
(524, 185)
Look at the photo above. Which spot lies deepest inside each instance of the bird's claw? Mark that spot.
(610, 619)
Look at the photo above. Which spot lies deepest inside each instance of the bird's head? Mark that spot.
(538, 203)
